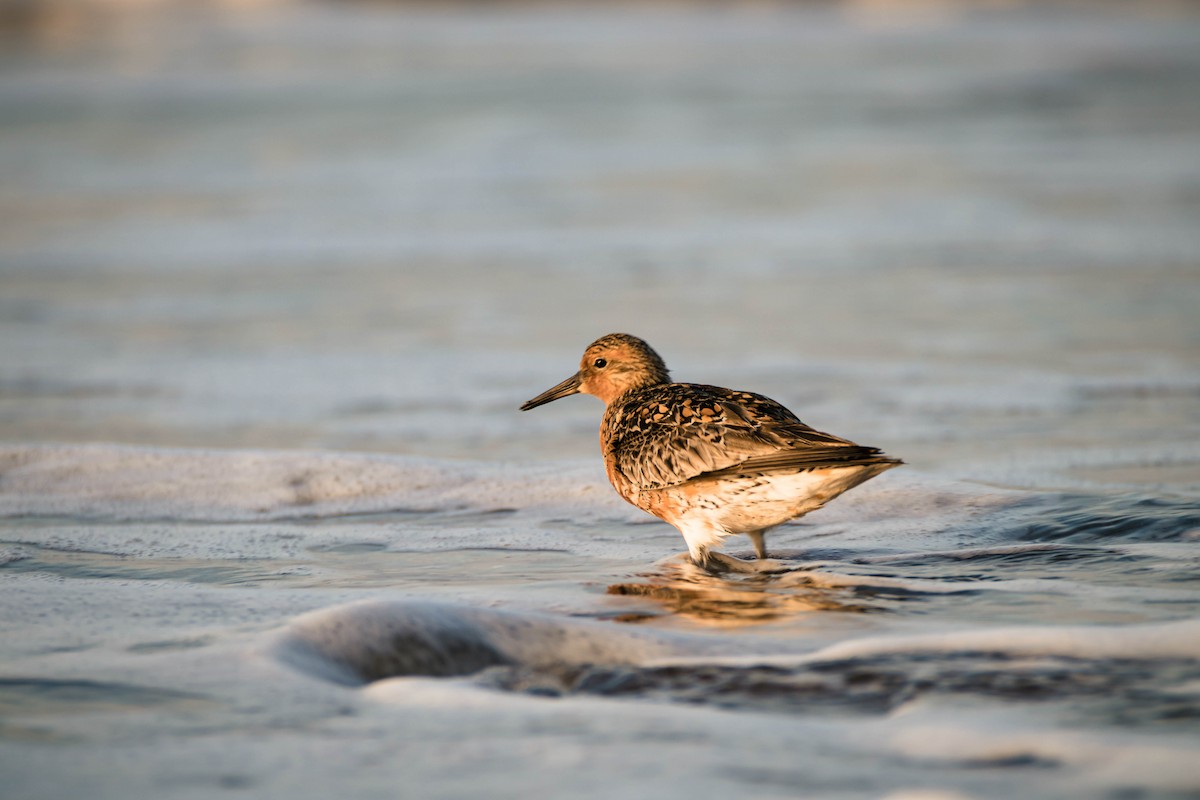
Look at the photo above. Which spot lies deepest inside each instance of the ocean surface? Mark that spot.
(274, 281)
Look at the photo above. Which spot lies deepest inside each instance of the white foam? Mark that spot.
(1155, 641)
(208, 485)
(1169, 640)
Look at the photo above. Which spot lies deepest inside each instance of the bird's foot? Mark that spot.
(717, 563)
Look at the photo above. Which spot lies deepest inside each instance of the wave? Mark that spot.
(1133, 670)
(144, 483)
(372, 640)
(905, 533)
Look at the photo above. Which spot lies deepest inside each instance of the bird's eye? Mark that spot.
(599, 363)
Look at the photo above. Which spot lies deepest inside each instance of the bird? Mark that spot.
(713, 462)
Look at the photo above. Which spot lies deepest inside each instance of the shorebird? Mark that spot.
(711, 461)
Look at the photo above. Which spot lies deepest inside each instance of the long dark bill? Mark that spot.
(568, 387)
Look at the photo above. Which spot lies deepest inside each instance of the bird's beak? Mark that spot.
(568, 387)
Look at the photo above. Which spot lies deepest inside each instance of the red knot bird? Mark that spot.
(711, 461)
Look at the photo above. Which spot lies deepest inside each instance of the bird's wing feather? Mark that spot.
(676, 433)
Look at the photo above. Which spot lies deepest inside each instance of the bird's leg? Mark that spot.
(758, 539)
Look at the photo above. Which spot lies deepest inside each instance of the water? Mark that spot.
(276, 279)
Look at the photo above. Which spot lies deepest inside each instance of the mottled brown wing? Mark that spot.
(676, 433)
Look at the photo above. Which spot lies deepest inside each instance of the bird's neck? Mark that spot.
(621, 396)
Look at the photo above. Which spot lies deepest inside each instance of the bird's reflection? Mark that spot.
(754, 592)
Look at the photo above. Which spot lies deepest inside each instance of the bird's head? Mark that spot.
(611, 366)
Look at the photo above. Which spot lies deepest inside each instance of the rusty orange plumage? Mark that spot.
(711, 461)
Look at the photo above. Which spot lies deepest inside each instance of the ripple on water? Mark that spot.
(86, 565)
(28, 696)
(1123, 518)
(1058, 583)
(1109, 691)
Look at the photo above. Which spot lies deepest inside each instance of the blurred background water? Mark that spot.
(965, 233)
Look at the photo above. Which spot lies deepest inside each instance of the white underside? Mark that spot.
(753, 504)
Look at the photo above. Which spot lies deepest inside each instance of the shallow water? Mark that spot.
(275, 281)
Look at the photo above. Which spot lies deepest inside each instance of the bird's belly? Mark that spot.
(752, 502)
